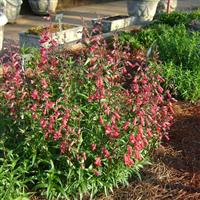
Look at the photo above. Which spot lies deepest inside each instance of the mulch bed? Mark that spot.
(175, 170)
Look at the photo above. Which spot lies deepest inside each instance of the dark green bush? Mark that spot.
(177, 18)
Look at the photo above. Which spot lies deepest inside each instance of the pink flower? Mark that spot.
(9, 95)
(44, 83)
(116, 114)
(66, 117)
(56, 115)
(23, 95)
(101, 120)
(137, 155)
(57, 135)
(45, 95)
(34, 95)
(97, 162)
(145, 142)
(43, 123)
(112, 131)
(84, 156)
(130, 64)
(34, 116)
(127, 160)
(63, 147)
(49, 105)
(34, 107)
(135, 88)
(107, 109)
(108, 129)
(54, 62)
(132, 139)
(168, 94)
(149, 132)
(99, 82)
(130, 150)
(96, 172)
(93, 147)
(140, 130)
(125, 126)
(115, 134)
(160, 89)
(105, 152)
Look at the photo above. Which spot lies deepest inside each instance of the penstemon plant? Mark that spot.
(85, 121)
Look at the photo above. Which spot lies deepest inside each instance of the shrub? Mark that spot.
(177, 18)
(178, 47)
(82, 122)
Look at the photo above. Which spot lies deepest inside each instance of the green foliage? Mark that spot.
(177, 18)
(181, 47)
(13, 184)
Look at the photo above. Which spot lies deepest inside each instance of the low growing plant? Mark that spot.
(83, 122)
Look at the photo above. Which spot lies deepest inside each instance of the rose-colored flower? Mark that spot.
(34, 107)
(137, 155)
(9, 95)
(43, 123)
(34, 95)
(105, 152)
(126, 125)
(132, 139)
(96, 172)
(149, 132)
(160, 89)
(97, 162)
(57, 135)
(93, 147)
(130, 150)
(128, 161)
(101, 120)
(63, 147)
(44, 83)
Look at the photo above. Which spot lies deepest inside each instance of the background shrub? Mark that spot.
(178, 47)
(177, 18)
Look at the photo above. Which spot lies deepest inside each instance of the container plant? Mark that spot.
(61, 34)
(43, 7)
(113, 23)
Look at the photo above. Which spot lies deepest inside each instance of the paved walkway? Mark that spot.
(75, 15)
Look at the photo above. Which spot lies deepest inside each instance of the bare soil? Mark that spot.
(175, 170)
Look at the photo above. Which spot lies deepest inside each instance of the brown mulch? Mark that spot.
(175, 172)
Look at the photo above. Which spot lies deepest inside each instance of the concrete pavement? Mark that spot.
(75, 15)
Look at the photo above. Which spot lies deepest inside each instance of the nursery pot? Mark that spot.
(43, 7)
(12, 9)
(142, 10)
(166, 6)
(3, 21)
